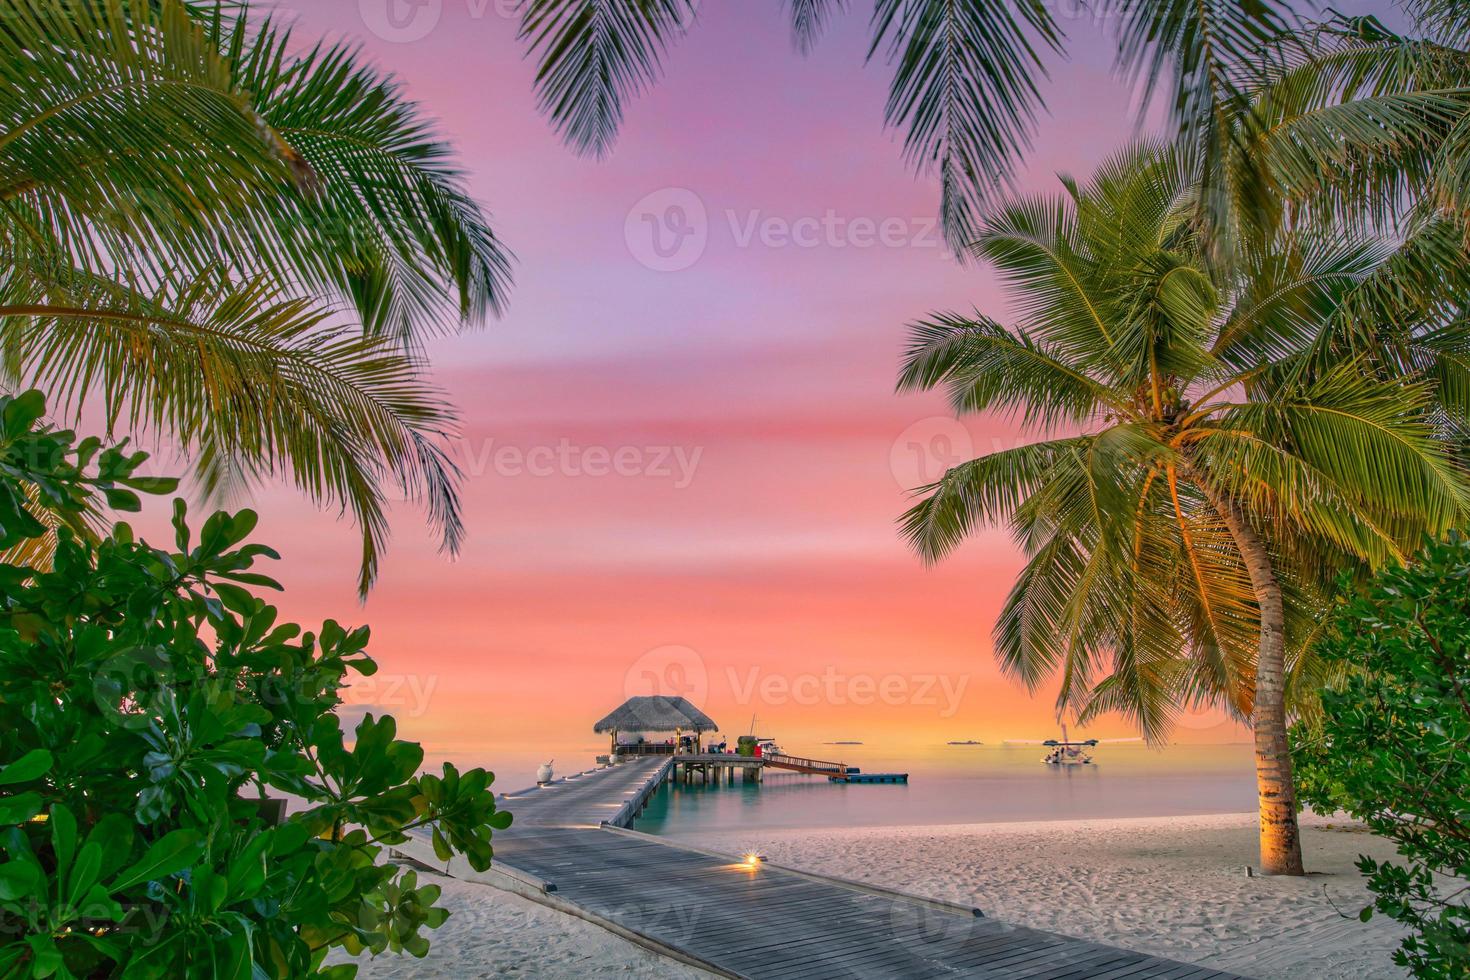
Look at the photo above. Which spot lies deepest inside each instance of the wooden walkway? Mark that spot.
(765, 921)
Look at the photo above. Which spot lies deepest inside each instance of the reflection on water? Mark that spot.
(968, 784)
(947, 784)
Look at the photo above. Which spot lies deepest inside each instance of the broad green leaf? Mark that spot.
(168, 855)
(19, 809)
(32, 765)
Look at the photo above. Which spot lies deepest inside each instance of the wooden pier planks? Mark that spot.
(768, 922)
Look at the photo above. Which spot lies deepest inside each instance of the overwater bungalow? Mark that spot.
(638, 718)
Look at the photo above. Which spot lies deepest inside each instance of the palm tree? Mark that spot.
(235, 242)
(1213, 453)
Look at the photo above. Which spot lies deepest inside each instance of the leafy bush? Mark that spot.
(1393, 749)
(148, 699)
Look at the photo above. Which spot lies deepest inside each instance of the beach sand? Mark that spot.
(1173, 886)
(494, 933)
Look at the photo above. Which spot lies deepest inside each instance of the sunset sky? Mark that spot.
(692, 474)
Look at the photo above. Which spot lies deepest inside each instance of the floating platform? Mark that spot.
(871, 777)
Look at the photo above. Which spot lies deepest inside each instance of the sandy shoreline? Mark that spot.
(1173, 886)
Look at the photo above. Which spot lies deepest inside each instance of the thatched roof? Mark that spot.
(656, 714)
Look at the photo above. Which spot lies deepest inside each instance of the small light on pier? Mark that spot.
(752, 861)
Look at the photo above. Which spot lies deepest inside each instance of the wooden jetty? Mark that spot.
(569, 848)
(714, 767)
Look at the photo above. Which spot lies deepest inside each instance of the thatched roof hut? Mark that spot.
(656, 714)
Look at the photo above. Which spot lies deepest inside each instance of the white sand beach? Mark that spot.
(1174, 886)
(493, 933)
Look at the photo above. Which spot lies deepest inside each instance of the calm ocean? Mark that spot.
(969, 784)
(954, 784)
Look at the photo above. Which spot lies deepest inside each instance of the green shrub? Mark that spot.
(148, 700)
(1393, 749)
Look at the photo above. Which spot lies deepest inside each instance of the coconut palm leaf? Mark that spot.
(987, 368)
(965, 93)
(1352, 121)
(1447, 20)
(188, 199)
(254, 378)
(980, 492)
(809, 18)
(593, 56)
(109, 136)
(384, 219)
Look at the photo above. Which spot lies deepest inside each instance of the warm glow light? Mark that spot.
(752, 860)
(755, 534)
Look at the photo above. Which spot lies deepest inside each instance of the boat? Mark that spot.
(1065, 751)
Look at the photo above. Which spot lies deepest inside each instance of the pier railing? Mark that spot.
(799, 764)
(646, 748)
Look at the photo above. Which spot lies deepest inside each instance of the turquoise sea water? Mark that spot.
(968, 784)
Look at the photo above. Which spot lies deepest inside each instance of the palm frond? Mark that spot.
(1360, 455)
(980, 492)
(987, 368)
(594, 56)
(809, 18)
(111, 122)
(1352, 121)
(1447, 20)
(965, 94)
(382, 217)
(243, 373)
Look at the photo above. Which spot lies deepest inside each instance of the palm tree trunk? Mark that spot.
(1281, 848)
